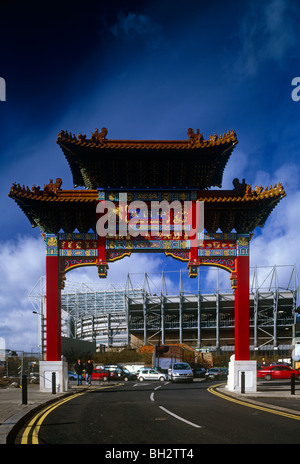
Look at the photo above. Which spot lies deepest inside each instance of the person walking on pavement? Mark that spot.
(78, 370)
(89, 367)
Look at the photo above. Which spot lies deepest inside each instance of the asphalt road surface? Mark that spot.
(160, 413)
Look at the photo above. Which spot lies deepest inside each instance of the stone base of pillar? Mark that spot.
(234, 380)
(61, 375)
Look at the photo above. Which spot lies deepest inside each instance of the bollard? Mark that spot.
(242, 382)
(24, 389)
(292, 383)
(53, 383)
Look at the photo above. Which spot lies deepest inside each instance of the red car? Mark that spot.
(277, 372)
(100, 374)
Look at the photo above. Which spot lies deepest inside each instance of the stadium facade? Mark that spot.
(166, 308)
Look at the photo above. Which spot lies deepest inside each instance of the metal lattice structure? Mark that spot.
(169, 308)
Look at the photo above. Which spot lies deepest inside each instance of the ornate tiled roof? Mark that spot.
(53, 209)
(194, 164)
(101, 162)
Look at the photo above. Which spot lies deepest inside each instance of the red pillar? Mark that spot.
(241, 306)
(102, 265)
(53, 310)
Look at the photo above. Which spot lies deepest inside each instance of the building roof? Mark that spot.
(53, 209)
(192, 163)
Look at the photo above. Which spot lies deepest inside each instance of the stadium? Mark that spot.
(170, 308)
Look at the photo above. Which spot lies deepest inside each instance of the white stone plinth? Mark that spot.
(61, 375)
(235, 375)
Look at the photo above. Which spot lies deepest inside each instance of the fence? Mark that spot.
(18, 363)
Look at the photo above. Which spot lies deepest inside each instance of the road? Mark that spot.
(158, 413)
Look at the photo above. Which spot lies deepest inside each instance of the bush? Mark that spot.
(125, 356)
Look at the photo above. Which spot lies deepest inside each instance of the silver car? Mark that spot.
(151, 374)
(180, 371)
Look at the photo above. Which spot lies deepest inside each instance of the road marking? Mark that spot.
(152, 397)
(180, 418)
(250, 405)
(36, 422)
(140, 384)
(28, 428)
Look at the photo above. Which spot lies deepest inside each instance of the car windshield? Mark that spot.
(179, 367)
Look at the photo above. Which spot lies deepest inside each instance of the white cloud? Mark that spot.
(236, 167)
(138, 26)
(21, 264)
(268, 33)
(136, 264)
(279, 241)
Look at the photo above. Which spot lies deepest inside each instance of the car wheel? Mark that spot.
(125, 379)
(161, 378)
(268, 377)
(141, 379)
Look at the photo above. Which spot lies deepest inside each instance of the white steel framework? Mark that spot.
(169, 308)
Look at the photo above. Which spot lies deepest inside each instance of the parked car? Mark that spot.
(199, 372)
(277, 372)
(278, 363)
(34, 377)
(151, 373)
(133, 368)
(127, 375)
(100, 374)
(215, 373)
(72, 375)
(179, 372)
(117, 372)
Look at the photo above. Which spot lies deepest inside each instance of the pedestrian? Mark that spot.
(78, 369)
(89, 367)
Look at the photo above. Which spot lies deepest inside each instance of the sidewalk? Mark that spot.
(270, 394)
(13, 411)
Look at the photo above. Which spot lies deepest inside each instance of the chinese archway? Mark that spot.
(180, 170)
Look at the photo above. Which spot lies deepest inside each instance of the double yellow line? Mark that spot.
(33, 427)
(251, 405)
(35, 424)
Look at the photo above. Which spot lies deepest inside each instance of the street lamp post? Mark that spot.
(41, 333)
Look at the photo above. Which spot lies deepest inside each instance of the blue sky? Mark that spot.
(144, 70)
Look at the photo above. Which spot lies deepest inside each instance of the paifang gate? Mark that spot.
(180, 171)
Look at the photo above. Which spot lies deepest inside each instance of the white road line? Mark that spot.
(152, 397)
(180, 418)
(140, 384)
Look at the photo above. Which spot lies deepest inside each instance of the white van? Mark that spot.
(134, 368)
(180, 371)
